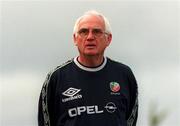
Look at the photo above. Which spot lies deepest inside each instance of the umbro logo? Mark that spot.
(72, 94)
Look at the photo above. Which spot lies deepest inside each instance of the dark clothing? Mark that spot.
(75, 95)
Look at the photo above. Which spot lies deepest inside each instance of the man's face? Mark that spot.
(91, 38)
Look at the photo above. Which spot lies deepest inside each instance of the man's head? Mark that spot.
(92, 34)
(93, 12)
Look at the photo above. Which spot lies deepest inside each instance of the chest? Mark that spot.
(93, 93)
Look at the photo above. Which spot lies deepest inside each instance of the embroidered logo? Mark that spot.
(114, 86)
(110, 107)
(72, 94)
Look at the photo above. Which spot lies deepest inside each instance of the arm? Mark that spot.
(133, 111)
(45, 108)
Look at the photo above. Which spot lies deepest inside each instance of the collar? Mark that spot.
(94, 69)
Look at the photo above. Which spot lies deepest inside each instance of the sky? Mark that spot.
(36, 36)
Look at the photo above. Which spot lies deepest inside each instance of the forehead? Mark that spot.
(91, 21)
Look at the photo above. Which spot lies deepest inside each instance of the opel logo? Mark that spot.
(110, 107)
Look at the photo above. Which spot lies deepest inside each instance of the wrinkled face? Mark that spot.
(91, 38)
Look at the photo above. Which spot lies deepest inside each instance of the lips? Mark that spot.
(90, 45)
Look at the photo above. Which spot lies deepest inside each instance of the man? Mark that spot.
(91, 89)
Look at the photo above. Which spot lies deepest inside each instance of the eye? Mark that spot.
(83, 31)
(97, 31)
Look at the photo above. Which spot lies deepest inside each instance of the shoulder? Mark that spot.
(60, 68)
(123, 70)
(118, 65)
(54, 74)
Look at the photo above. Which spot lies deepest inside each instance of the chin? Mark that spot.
(90, 53)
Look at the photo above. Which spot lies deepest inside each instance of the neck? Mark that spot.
(90, 61)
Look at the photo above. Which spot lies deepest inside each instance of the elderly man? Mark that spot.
(90, 89)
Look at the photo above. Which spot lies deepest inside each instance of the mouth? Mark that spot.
(90, 45)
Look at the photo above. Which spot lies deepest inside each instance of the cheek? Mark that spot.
(80, 43)
(103, 43)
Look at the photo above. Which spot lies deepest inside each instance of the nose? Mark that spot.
(90, 36)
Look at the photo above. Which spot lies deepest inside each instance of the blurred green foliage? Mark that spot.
(156, 117)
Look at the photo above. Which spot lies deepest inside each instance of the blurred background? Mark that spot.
(36, 36)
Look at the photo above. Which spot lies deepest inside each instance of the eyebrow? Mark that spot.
(91, 28)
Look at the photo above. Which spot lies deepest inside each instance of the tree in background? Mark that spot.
(155, 117)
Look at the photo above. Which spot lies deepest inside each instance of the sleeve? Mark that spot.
(46, 101)
(133, 110)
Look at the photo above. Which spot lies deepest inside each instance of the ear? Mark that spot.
(109, 39)
(74, 38)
